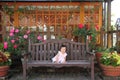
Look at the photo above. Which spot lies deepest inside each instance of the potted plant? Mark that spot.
(98, 52)
(5, 61)
(110, 64)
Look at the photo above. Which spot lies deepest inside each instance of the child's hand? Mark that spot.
(53, 61)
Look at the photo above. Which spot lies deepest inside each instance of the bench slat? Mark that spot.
(71, 51)
(68, 63)
(33, 52)
(79, 52)
(40, 52)
(75, 54)
(37, 52)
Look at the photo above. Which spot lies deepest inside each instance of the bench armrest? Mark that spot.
(92, 55)
(26, 56)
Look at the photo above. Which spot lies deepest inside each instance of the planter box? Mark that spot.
(3, 70)
(110, 70)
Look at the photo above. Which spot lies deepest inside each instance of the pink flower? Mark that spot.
(96, 27)
(5, 45)
(15, 46)
(25, 36)
(39, 37)
(12, 30)
(28, 31)
(17, 30)
(11, 34)
(12, 41)
(80, 26)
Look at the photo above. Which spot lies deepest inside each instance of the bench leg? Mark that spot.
(24, 72)
(92, 71)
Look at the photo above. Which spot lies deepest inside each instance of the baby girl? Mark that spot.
(61, 55)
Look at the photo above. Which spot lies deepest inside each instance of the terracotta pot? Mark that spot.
(3, 70)
(110, 70)
(98, 56)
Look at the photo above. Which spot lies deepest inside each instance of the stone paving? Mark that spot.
(57, 74)
(54, 74)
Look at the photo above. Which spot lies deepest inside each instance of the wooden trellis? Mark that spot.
(55, 19)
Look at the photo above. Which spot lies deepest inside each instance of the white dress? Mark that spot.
(60, 57)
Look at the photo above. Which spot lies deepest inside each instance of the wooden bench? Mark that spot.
(41, 54)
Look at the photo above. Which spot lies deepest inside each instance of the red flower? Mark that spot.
(80, 26)
(15, 46)
(96, 27)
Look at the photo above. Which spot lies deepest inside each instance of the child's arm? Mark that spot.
(64, 61)
(55, 59)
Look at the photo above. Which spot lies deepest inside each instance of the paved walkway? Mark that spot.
(55, 74)
(58, 74)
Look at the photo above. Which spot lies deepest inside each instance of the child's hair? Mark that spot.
(62, 46)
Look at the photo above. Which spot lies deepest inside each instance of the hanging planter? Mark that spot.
(3, 70)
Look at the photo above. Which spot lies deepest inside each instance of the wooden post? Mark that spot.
(16, 16)
(109, 36)
(105, 23)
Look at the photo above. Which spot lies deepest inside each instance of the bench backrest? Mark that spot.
(49, 48)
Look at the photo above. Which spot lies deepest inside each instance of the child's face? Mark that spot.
(63, 49)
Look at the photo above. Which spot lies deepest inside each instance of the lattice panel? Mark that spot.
(55, 20)
(56, 23)
(91, 15)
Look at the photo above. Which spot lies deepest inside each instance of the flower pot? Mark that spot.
(98, 56)
(3, 70)
(110, 70)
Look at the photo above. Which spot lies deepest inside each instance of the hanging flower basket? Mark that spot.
(110, 70)
(3, 70)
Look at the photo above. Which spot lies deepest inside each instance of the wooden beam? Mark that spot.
(16, 21)
(54, 0)
(109, 36)
(82, 14)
